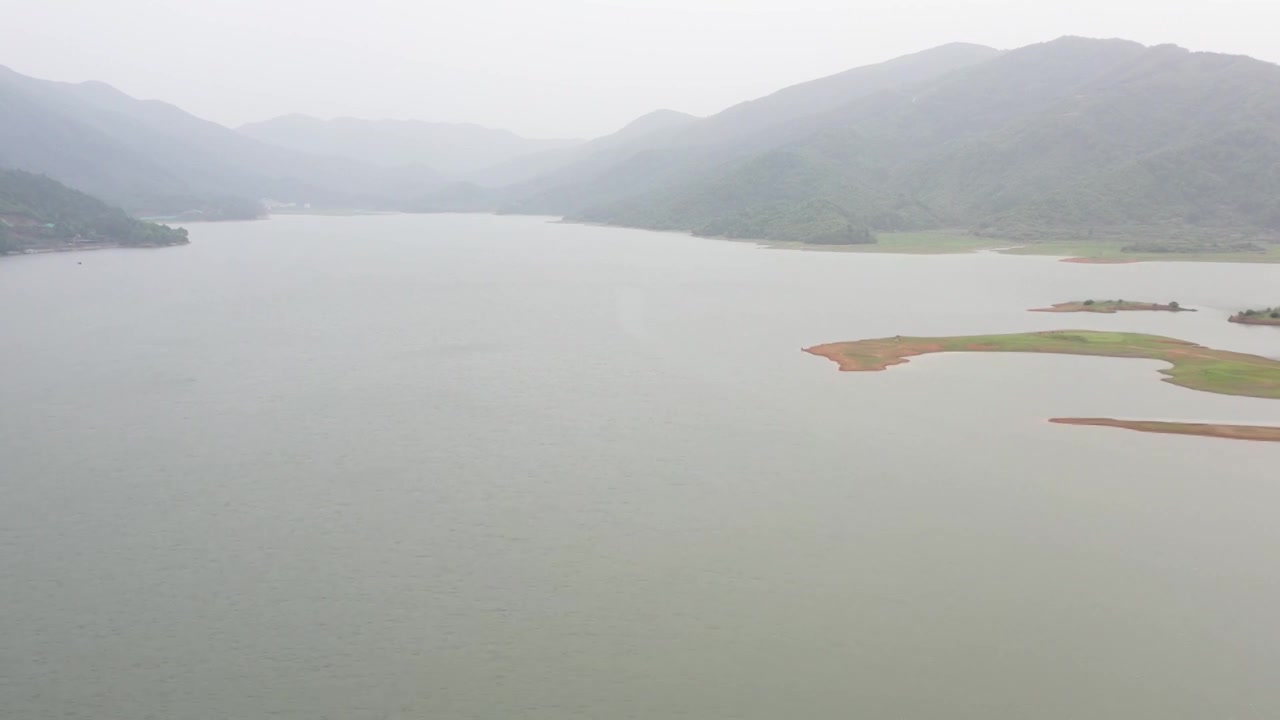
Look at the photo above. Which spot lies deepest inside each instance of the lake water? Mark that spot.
(457, 467)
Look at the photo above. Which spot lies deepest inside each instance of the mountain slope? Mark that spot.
(656, 121)
(151, 157)
(37, 213)
(608, 171)
(453, 150)
(814, 98)
(1068, 137)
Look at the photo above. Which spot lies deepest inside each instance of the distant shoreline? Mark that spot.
(88, 247)
(960, 242)
(336, 212)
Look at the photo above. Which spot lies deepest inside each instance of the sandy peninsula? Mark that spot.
(1190, 365)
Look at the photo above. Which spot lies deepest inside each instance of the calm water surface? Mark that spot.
(479, 467)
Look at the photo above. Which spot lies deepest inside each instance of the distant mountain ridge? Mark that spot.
(1065, 138)
(451, 149)
(1073, 137)
(153, 158)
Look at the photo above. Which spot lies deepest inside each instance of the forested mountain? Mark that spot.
(38, 213)
(152, 158)
(1066, 138)
(454, 150)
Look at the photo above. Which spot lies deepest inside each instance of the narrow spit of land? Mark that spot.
(1190, 365)
(1231, 432)
(1112, 306)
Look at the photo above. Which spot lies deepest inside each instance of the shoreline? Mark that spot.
(876, 248)
(959, 242)
(88, 248)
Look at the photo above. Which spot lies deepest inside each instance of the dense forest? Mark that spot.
(37, 213)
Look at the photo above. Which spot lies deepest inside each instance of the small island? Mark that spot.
(1112, 306)
(1266, 316)
(1191, 366)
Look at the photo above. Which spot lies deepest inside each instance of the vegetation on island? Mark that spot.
(1265, 316)
(37, 213)
(1190, 365)
(1112, 306)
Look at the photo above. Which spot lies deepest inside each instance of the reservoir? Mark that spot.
(471, 467)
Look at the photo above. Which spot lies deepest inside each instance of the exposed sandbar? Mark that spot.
(1261, 433)
(1192, 366)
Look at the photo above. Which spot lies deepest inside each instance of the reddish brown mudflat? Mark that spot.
(1262, 433)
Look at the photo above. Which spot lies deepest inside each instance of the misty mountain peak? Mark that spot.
(453, 149)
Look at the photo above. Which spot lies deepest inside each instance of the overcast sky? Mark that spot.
(546, 68)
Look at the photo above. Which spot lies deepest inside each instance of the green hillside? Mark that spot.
(1166, 149)
(37, 213)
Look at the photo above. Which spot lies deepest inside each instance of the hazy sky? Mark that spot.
(549, 68)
